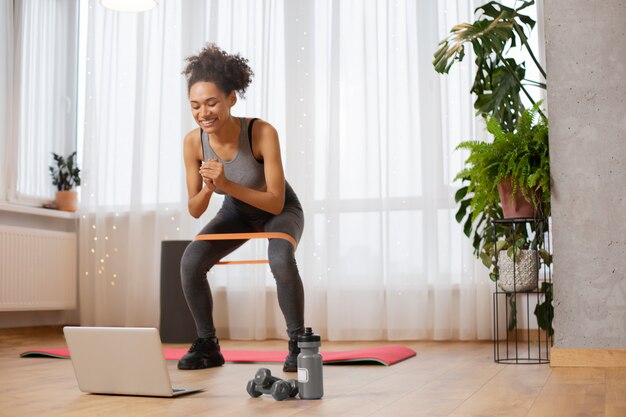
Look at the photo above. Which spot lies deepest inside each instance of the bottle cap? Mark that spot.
(309, 336)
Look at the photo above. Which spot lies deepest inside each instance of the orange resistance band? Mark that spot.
(246, 236)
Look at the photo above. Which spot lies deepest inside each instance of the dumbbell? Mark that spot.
(265, 383)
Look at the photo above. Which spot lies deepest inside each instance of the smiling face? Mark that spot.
(210, 106)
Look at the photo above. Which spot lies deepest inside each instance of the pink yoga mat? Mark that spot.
(384, 355)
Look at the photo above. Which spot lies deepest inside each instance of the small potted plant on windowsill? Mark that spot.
(65, 177)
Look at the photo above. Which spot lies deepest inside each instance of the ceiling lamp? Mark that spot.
(129, 5)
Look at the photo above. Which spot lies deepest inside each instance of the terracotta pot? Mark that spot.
(66, 200)
(518, 207)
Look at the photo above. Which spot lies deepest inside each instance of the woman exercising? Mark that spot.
(240, 158)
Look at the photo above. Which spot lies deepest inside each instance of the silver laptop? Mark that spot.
(120, 360)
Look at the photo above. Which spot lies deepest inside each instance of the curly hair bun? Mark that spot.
(229, 72)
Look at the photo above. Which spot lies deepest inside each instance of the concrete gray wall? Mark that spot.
(586, 71)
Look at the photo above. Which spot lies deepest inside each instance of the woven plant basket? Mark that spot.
(521, 276)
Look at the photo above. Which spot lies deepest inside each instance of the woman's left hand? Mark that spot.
(215, 171)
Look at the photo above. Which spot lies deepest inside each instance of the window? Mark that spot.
(43, 80)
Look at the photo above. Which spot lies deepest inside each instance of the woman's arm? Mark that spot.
(272, 199)
(198, 196)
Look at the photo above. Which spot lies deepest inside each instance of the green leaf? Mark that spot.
(460, 194)
(487, 260)
(500, 94)
(545, 313)
(462, 211)
(512, 311)
(467, 227)
(476, 241)
(545, 256)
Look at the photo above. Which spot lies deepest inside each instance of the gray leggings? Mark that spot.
(238, 217)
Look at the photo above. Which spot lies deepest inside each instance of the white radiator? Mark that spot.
(37, 269)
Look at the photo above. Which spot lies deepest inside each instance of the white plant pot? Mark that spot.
(521, 276)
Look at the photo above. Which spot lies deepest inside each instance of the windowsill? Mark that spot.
(37, 211)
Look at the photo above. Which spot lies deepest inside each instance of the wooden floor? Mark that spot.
(445, 379)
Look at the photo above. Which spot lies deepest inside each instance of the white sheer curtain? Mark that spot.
(376, 129)
(42, 66)
(132, 161)
(6, 88)
(367, 130)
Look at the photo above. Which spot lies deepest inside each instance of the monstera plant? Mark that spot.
(500, 79)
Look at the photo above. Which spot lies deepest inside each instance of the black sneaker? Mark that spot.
(203, 353)
(291, 360)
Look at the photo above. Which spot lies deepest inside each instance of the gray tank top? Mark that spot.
(244, 169)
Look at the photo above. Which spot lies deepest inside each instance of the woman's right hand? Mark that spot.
(204, 173)
(198, 195)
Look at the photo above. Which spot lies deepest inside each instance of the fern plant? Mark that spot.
(521, 156)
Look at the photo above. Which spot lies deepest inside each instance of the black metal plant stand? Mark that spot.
(513, 343)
